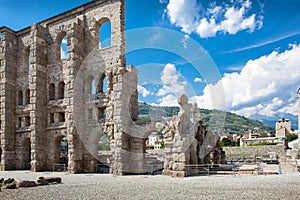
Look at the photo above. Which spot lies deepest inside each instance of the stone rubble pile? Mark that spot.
(11, 183)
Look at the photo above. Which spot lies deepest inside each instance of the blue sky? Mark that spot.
(236, 55)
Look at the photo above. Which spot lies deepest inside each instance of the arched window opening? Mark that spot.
(102, 114)
(51, 91)
(20, 98)
(61, 117)
(27, 60)
(104, 143)
(27, 97)
(19, 122)
(1, 36)
(27, 121)
(61, 153)
(51, 118)
(93, 87)
(61, 90)
(102, 84)
(105, 34)
(64, 48)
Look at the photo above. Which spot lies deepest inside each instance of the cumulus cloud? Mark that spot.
(142, 90)
(172, 86)
(191, 17)
(265, 86)
(199, 80)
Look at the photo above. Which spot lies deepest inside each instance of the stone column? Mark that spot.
(8, 64)
(75, 35)
(38, 99)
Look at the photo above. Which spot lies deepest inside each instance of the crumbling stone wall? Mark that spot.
(188, 142)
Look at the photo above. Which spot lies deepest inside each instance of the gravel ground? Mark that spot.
(99, 186)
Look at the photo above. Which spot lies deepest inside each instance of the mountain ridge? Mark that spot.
(214, 120)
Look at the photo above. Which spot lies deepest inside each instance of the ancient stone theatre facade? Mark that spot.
(37, 86)
(43, 96)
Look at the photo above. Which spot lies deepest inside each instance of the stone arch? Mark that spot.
(104, 33)
(62, 45)
(61, 90)
(26, 154)
(27, 96)
(61, 150)
(20, 98)
(51, 92)
(102, 84)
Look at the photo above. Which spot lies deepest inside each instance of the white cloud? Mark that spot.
(183, 13)
(142, 90)
(63, 54)
(185, 40)
(172, 86)
(199, 80)
(168, 100)
(64, 41)
(188, 15)
(170, 79)
(265, 86)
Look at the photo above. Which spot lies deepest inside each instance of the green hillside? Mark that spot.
(213, 119)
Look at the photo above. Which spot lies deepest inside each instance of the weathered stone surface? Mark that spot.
(26, 184)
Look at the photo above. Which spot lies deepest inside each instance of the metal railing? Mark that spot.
(102, 169)
(59, 167)
(154, 169)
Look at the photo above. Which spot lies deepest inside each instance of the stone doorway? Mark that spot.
(26, 154)
(61, 153)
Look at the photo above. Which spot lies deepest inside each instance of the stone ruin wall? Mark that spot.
(42, 43)
(31, 128)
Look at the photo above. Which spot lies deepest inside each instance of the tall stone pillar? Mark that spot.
(75, 35)
(38, 99)
(8, 64)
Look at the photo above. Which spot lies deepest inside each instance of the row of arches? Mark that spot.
(104, 38)
(60, 152)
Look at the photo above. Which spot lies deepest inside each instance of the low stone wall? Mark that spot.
(252, 151)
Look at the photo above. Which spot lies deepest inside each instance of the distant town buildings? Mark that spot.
(283, 128)
(155, 141)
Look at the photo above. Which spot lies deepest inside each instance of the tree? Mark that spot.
(225, 142)
(291, 137)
